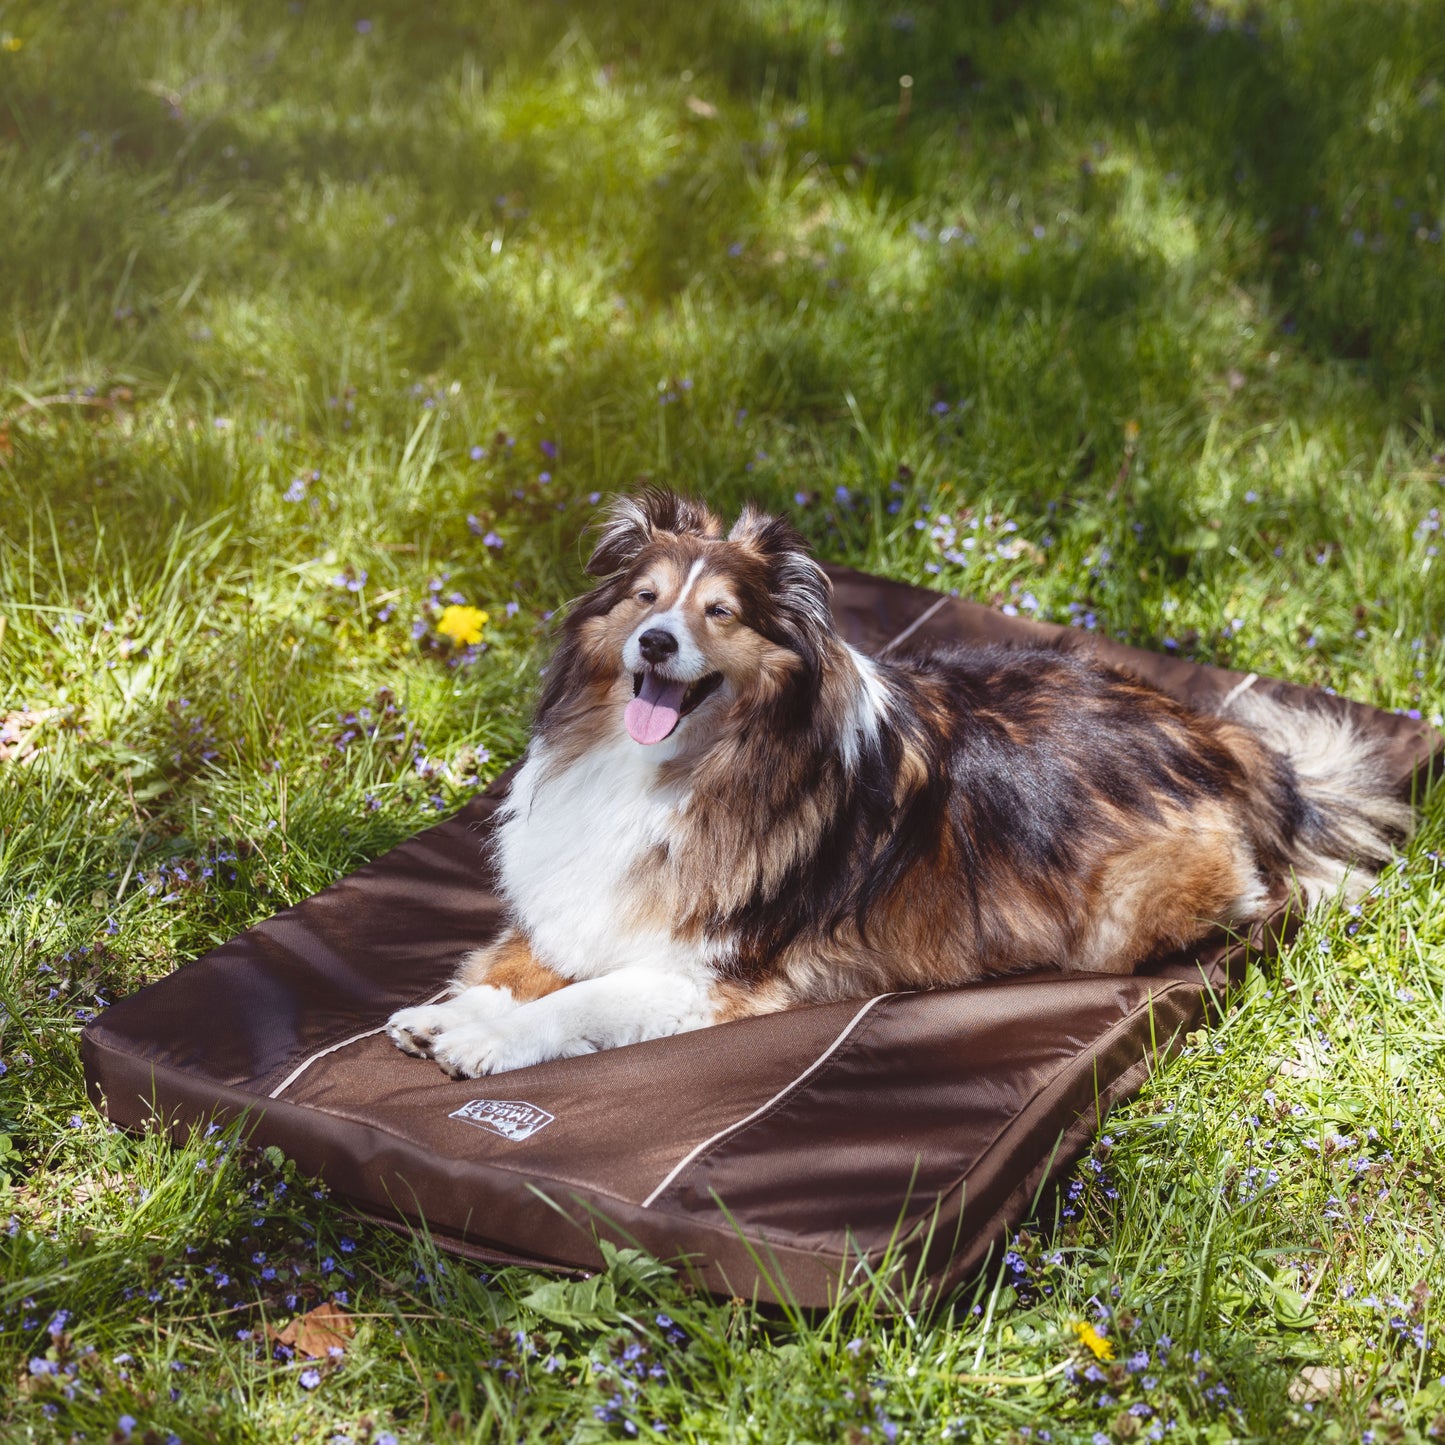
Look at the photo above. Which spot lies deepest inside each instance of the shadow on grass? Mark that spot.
(1012, 108)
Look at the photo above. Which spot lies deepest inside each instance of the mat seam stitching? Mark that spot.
(1169, 986)
(914, 625)
(341, 1044)
(697, 1150)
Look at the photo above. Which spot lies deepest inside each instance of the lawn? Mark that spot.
(317, 319)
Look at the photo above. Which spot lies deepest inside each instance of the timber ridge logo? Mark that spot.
(511, 1118)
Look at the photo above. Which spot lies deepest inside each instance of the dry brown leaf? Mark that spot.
(1317, 1382)
(1313, 1062)
(316, 1333)
(17, 729)
(95, 1186)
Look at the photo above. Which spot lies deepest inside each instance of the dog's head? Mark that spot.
(689, 627)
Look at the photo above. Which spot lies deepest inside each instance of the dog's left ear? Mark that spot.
(632, 522)
(802, 593)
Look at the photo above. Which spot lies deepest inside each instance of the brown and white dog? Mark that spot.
(726, 810)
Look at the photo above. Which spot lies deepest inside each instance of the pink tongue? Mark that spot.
(653, 713)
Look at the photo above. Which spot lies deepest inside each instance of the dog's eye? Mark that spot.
(718, 610)
(647, 595)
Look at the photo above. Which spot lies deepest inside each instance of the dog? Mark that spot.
(726, 810)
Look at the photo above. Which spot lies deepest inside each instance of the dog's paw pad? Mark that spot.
(413, 1030)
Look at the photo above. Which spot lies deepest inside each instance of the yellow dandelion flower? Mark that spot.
(12, 43)
(1088, 1335)
(462, 624)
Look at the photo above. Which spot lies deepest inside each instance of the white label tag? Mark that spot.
(511, 1118)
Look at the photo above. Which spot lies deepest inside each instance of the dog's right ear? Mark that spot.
(632, 522)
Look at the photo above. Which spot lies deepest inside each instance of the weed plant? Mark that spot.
(317, 321)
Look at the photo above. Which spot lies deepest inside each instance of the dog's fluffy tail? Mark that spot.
(1332, 815)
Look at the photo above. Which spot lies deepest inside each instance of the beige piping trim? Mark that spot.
(345, 1043)
(1242, 686)
(914, 625)
(763, 1108)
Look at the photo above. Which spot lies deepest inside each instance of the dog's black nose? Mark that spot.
(656, 644)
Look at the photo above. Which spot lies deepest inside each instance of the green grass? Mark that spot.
(1134, 319)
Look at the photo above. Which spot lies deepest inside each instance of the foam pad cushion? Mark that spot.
(775, 1155)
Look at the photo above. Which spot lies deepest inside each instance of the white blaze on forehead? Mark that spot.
(687, 664)
(693, 574)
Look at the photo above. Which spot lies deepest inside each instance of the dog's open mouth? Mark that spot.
(660, 703)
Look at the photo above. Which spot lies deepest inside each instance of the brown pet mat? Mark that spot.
(774, 1154)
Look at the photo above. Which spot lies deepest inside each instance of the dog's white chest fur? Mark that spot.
(566, 850)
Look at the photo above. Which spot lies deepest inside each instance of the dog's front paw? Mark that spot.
(497, 1046)
(413, 1029)
(471, 1050)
